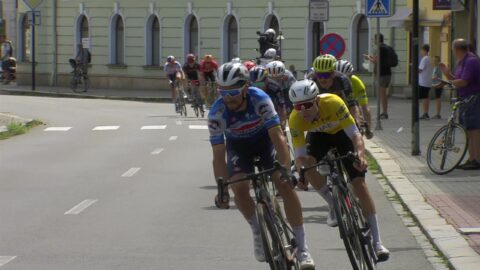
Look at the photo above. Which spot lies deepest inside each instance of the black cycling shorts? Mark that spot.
(209, 76)
(319, 143)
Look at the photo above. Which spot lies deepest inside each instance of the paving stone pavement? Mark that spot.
(442, 204)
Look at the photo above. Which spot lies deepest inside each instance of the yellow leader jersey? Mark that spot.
(358, 90)
(333, 116)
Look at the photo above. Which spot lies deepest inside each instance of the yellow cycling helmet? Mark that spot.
(324, 63)
(208, 58)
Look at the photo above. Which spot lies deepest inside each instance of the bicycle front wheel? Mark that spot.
(271, 238)
(447, 148)
(74, 84)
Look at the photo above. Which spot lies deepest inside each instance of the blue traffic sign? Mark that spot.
(378, 8)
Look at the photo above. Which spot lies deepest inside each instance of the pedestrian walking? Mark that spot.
(425, 80)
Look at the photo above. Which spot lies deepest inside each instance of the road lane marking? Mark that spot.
(58, 129)
(173, 138)
(157, 151)
(6, 259)
(131, 172)
(179, 123)
(80, 207)
(153, 127)
(198, 127)
(103, 128)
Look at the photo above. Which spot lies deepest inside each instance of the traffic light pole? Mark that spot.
(415, 97)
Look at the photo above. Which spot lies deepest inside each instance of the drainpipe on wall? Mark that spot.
(53, 77)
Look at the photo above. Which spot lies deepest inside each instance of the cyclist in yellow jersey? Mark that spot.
(328, 123)
(359, 93)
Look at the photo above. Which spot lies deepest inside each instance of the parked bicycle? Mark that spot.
(181, 100)
(79, 78)
(449, 144)
(354, 229)
(277, 236)
(197, 101)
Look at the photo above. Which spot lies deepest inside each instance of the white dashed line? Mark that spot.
(6, 259)
(179, 123)
(131, 172)
(80, 207)
(173, 138)
(103, 128)
(58, 129)
(157, 151)
(153, 127)
(197, 127)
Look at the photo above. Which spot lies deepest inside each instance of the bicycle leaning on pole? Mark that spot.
(354, 229)
(449, 144)
(79, 78)
(277, 236)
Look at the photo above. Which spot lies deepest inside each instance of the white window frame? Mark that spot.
(112, 38)
(224, 35)
(186, 34)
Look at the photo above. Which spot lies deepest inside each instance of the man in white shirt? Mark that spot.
(425, 80)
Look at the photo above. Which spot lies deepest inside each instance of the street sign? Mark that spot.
(378, 8)
(30, 17)
(86, 43)
(318, 11)
(33, 4)
(332, 44)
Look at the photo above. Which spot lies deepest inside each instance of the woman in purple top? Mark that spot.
(466, 79)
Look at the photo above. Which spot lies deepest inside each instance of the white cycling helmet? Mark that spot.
(276, 68)
(236, 60)
(303, 90)
(232, 74)
(270, 53)
(270, 31)
(344, 66)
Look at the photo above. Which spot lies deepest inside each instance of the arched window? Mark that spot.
(272, 22)
(117, 48)
(82, 30)
(25, 40)
(191, 34)
(232, 38)
(153, 41)
(360, 42)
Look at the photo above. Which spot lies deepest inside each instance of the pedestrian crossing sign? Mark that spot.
(378, 8)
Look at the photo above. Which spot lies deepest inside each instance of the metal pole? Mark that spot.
(33, 50)
(377, 77)
(415, 105)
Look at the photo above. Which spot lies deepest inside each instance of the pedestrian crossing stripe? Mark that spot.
(153, 127)
(58, 129)
(378, 8)
(103, 128)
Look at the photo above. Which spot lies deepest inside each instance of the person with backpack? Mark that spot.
(82, 59)
(6, 54)
(388, 59)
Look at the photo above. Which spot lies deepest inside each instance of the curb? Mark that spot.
(14, 118)
(86, 96)
(450, 243)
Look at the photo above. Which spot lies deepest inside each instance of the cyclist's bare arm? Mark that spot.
(359, 147)
(280, 143)
(219, 161)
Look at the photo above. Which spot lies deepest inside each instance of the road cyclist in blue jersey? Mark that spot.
(243, 124)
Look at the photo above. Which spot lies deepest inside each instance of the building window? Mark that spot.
(25, 40)
(191, 35)
(82, 31)
(361, 42)
(117, 41)
(317, 33)
(153, 41)
(272, 22)
(232, 38)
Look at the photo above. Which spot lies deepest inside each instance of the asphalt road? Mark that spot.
(133, 198)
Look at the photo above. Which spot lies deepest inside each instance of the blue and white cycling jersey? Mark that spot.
(253, 122)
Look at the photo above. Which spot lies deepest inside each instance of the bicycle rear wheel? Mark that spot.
(271, 238)
(447, 148)
(74, 84)
(348, 228)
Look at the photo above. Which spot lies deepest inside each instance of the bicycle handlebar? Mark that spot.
(352, 156)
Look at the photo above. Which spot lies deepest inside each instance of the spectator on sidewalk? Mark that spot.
(6, 53)
(82, 59)
(437, 74)
(467, 81)
(425, 80)
(388, 59)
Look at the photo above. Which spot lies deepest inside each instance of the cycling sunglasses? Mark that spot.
(303, 106)
(230, 93)
(323, 75)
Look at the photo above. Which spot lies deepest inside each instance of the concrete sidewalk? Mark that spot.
(441, 204)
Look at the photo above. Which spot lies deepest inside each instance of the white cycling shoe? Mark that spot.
(258, 250)
(305, 260)
(382, 253)
(332, 218)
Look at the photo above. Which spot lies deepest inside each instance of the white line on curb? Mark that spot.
(6, 259)
(198, 127)
(153, 127)
(103, 128)
(173, 138)
(80, 207)
(157, 151)
(131, 172)
(58, 129)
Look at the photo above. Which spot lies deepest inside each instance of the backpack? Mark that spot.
(392, 57)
